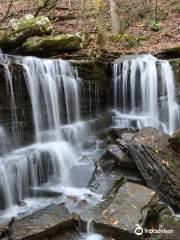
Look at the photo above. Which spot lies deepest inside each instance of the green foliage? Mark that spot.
(128, 40)
(153, 24)
(178, 7)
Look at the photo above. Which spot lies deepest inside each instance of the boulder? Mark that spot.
(42, 223)
(52, 44)
(114, 157)
(124, 206)
(158, 163)
(23, 29)
(29, 21)
(174, 141)
(118, 136)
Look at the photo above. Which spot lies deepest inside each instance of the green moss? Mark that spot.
(178, 7)
(2, 34)
(24, 28)
(30, 21)
(62, 42)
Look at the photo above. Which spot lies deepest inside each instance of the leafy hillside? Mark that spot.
(142, 30)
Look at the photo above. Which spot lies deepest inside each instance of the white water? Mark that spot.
(144, 94)
(47, 81)
(49, 160)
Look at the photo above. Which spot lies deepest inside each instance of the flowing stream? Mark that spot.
(144, 94)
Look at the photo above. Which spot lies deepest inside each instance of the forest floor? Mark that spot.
(141, 34)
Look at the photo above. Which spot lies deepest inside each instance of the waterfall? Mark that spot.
(47, 81)
(53, 88)
(144, 94)
(5, 142)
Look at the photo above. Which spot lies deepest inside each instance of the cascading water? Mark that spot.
(53, 87)
(144, 94)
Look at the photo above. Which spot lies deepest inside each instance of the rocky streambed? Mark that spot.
(137, 174)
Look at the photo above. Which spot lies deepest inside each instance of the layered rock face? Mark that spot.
(158, 163)
(93, 95)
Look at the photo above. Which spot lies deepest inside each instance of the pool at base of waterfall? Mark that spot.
(71, 192)
(80, 236)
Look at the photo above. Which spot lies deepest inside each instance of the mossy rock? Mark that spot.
(168, 53)
(53, 44)
(175, 63)
(29, 21)
(23, 29)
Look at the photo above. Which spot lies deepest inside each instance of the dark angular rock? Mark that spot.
(42, 223)
(158, 163)
(119, 213)
(114, 157)
(174, 140)
(168, 221)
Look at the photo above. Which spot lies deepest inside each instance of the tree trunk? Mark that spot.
(116, 23)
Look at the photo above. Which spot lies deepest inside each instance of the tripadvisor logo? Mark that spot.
(139, 230)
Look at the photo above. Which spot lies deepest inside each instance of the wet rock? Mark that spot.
(118, 136)
(91, 142)
(3, 229)
(42, 223)
(52, 44)
(158, 163)
(81, 175)
(45, 192)
(98, 154)
(119, 213)
(124, 140)
(6, 229)
(161, 222)
(24, 28)
(175, 140)
(170, 223)
(103, 121)
(114, 157)
(103, 181)
(175, 64)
